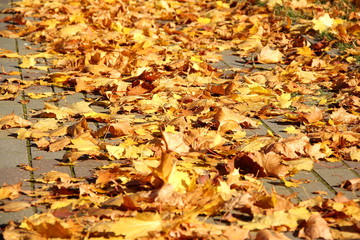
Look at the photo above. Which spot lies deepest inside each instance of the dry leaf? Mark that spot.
(316, 227)
(15, 206)
(13, 121)
(267, 55)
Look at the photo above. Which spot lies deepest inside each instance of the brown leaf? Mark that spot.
(292, 147)
(13, 121)
(272, 164)
(15, 206)
(174, 141)
(269, 235)
(316, 227)
(10, 191)
(54, 176)
(351, 184)
(48, 226)
(78, 128)
(42, 143)
(314, 115)
(116, 129)
(139, 87)
(72, 156)
(341, 116)
(59, 144)
(105, 176)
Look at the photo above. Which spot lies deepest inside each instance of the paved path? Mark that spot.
(325, 177)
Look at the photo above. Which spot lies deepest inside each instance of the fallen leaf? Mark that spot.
(13, 121)
(316, 227)
(268, 235)
(131, 228)
(10, 191)
(268, 56)
(351, 184)
(15, 206)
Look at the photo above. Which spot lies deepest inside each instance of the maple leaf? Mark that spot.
(175, 142)
(316, 227)
(267, 55)
(85, 143)
(131, 228)
(10, 191)
(13, 121)
(341, 116)
(292, 147)
(48, 226)
(351, 184)
(268, 235)
(15, 206)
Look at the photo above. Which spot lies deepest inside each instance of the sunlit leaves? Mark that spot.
(131, 228)
(13, 121)
(267, 55)
(182, 136)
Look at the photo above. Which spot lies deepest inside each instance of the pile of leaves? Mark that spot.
(175, 129)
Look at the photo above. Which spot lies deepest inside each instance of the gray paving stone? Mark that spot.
(5, 217)
(32, 74)
(271, 184)
(9, 65)
(8, 107)
(260, 131)
(12, 153)
(8, 133)
(70, 99)
(45, 155)
(8, 43)
(12, 175)
(307, 190)
(355, 166)
(336, 177)
(277, 128)
(85, 168)
(46, 165)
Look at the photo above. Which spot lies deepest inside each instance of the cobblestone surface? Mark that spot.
(326, 177)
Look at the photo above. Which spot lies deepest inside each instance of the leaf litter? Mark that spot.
(175, 128)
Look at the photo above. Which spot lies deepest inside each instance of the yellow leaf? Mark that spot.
(170, 129)
(305, 51)
(84, 143)
(267, 55)
(62, 203)
(290, 183)
(13, 121)
(203, 20)
(39, 95)
(115, 151)
(323, 23)
(305, 164)
(71, 30)
(272, 3)
(9, 54)
(27, 62)
(221, 4)
(355, 153)
(224, 190)
(284, 100)
(100, 117)
(250, 44)
(278, 218)
(131, 228)
(10, 191)
(59, 77)
(292, 130)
